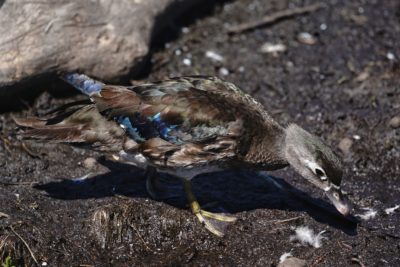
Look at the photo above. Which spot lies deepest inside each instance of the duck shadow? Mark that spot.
(234, 190)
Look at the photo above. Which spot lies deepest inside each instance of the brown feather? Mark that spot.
(118, 99)
(56, 134)
(83, 125)
(31, 122)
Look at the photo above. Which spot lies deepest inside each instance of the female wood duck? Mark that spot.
(187, 126)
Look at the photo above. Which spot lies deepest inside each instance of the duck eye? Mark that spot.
(320, 173)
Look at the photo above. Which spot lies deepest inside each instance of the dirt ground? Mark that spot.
(342, 83)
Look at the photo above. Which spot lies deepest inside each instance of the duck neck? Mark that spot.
(266, 148)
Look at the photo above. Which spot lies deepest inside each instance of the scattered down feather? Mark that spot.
(369, 214)
(306, 237)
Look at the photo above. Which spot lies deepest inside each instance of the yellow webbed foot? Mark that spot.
(205, 217)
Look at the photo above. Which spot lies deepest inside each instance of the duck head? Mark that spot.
(317, 163)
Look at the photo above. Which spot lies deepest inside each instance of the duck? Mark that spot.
(187, 126)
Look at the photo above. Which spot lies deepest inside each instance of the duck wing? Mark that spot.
(178, 122)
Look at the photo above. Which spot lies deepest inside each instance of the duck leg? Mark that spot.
(202, 215)
(159, 189)
(151, 183)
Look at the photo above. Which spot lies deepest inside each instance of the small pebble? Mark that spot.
(289, 64)
(270, 48)
(89, 163)
(390, 56)
(345, 145)
(185, 30)
(187, 62)
(362, 76)
(323, 27)
(306, 38)
(185, 49)
(223, 71)
(356, 137)
(214, 56)
(178, 52)
(292, 262)
(395, 122)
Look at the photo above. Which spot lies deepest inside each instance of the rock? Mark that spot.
(270, 48)
(214, 56)
(103, 39)
(362, 76)
(345, 145)
(292, 262)
(89, 163)
(306, 38)
(223, 71)
(395, 122)
(3, 215)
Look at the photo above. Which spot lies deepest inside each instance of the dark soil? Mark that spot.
(345, 88)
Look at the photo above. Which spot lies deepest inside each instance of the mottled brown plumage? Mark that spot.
(249, 135)
(187, 126)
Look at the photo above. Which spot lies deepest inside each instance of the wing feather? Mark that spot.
(182, 121)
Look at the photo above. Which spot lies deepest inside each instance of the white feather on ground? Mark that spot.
(369, 214)
(389, 211)
(214, 56)
(306, 236)
(284, 256)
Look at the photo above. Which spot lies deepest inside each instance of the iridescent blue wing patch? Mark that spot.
(141, 129)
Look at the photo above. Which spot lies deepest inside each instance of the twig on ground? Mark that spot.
(141, 238)
(26, 245)
(29, 151)
(344, 244)
(6, 143)
(287, 220)
(3, 242)
(319, 259)
(356, 260)
(16, 183)
(271, 18)
(3, 215)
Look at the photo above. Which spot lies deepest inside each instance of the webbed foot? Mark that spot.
(205, 216)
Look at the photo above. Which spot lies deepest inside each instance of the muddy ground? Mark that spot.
(344, 87)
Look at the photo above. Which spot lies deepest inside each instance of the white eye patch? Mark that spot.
(316, 169)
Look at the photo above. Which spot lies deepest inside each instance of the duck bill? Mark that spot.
(341, 203)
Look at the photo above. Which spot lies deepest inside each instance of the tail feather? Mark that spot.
(82, 125)
(68, 107)
(56, 134)
(31, 122)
